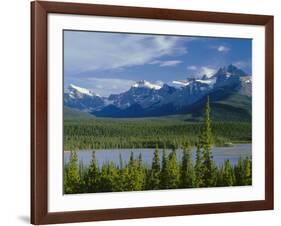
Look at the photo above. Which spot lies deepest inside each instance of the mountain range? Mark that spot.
(229, 89)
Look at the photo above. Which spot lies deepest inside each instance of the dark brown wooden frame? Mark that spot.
(39, 107)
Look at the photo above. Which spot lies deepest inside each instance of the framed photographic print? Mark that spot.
(146, 112)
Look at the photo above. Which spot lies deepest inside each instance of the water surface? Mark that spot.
(220, 154)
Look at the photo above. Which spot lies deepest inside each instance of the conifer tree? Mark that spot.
(131, 175)
(243, 172)
(247, 171)
(205, 141)
(108, 178)
(120, 161)
(82, 173)
(228, 179)
(164, 171)
(198, 168)
(239, 173)
(140, 174)
(93, 175)
(121, 182)
(187, 169)
(71, 175)
(173, 171)
(219, 177)
(205, 138)
(154, 179)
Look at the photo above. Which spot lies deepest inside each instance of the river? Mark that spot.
(220, 154)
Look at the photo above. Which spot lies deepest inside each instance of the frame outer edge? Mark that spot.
(39, 114)
(32, 160)
(269, 112)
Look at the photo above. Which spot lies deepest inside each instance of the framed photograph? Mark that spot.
(147, 112)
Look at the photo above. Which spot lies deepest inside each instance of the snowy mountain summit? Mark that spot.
(79, 92)
(145, 98)
(146, 84)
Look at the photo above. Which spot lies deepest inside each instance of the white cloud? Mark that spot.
(166, 63)
(242, 64)
(207, 71)
(198, 72)
(86, 51)
(222, 48)
(170, 63)
(107, 86)
(155, 62)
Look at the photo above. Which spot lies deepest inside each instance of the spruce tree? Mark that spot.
(239, 173)
(247, 171)
(164, 171)
(187, 169)
(140, 174)
(219, 177)
(121, 175)
(173, 171)
(243, 172)
(205, 141)
(198, 168)
(228, 179)
(154, 179)
(82, 173)
(120, 161)
(131, 175)
(108, 178)
(93, 175)
(71, 175)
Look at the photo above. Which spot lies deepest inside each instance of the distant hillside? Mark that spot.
(70, 113)
(232, 107)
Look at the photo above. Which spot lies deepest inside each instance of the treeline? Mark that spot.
(109, 134)
(170, 174)
(166, 173)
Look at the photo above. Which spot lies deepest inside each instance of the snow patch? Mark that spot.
(208, 82)
(81, 90)
(146, 84)
(181, 82)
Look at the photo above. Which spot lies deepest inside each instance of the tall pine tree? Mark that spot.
(164, 171)
(187, 169)
(198, 168)
(140, 178)
(93, 175)
(154, 179)
(173, 170)
(205, 141)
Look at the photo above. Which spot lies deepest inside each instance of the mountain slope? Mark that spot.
(226, 106)
(230, 90)
(71, 113)
(82, 99)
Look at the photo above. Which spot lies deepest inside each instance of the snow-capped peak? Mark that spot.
(210, 81)
(146, 84)
(80, 90)
(229, 71)
(181, 82)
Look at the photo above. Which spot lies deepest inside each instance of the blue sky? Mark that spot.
(111, 62)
